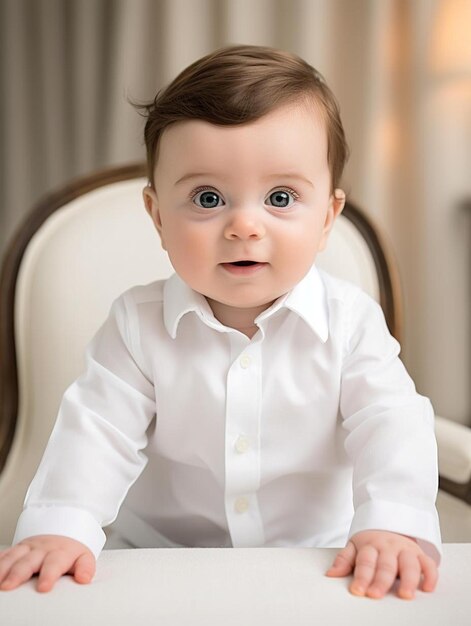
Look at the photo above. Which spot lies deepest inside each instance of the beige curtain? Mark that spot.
(67, 67)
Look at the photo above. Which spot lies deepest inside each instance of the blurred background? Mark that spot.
(401, 71)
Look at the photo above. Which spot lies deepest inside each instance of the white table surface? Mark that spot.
(225, 587)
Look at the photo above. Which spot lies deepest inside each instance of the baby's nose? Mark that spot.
(244, 224)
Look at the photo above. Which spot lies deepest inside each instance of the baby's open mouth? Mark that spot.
(243, 268)
(243, 263)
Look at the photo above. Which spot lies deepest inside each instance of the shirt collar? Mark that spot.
(307, 299)
(180, 299)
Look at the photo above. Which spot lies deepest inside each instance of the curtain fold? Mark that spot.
(68, 67)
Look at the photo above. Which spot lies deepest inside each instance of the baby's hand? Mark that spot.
(377, 557)
(49, 555)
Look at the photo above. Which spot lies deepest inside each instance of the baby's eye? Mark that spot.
(283, 198)
(206, 198)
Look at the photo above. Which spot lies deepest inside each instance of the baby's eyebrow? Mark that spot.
(279, 176)
(192, 175)
(292, 176)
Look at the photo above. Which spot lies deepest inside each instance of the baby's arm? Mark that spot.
(50, 556)
(94, 455)
(390, 440)
(377, 557)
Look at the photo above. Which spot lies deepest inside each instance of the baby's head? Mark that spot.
(238, 85)
(245, 153)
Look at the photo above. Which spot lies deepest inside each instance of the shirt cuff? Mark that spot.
(68, 521)
(395, 517)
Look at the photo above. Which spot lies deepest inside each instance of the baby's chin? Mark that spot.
(245, 305)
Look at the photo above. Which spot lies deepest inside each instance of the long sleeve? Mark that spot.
(390, 436)
(94, 454)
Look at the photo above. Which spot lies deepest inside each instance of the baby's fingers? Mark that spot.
(409, 573)
(430, 572)
(385, 574)
(18, 570)
(85, 567)
(344, 561)
(56, 563)
(365, 569)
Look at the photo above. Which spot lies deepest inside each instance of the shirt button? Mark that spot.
(245, 361)
(242, 444)
(241, 505)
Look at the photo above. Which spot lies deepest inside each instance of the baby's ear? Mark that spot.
(150, 200)
(336, 204)
(151, 203)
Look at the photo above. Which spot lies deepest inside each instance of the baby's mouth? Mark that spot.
(243, 268)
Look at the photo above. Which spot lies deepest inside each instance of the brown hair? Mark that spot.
(240, 84)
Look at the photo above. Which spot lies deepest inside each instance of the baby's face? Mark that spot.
(257, 193)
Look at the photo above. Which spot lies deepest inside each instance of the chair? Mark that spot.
(77, 251)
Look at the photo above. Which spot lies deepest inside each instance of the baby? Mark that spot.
(250, 399)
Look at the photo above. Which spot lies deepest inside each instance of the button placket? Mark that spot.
(242, 454)
(242, 444)
(241, 505)
(245, 361)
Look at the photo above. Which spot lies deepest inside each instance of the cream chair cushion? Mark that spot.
(84, 256)
(454, 452)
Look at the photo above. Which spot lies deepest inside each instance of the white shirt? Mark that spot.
(302, 436)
